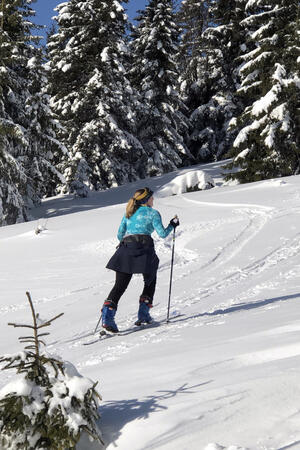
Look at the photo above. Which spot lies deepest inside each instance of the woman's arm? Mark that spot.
(158, 226)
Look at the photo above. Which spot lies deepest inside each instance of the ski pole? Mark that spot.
(171, 273)
(98, 323)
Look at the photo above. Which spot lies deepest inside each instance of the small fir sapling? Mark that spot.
(49, 404)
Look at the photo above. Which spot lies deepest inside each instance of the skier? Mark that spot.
(136, 254)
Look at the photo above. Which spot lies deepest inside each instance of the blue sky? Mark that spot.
(44, 10)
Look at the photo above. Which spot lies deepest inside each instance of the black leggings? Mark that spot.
(121, 283)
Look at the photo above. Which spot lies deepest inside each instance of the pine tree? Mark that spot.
(92, 97)
(51, 404)
(25, 156)
(13, 178)
(161, 123)
(45, 150)
(213, 101)
(193, 20)
(268, 144)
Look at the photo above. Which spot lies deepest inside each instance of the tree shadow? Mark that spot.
(239, 307)
(293, 444)
(69, 203)
(116, 414)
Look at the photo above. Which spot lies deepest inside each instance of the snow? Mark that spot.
(31, 63)
(258, 33)
(195, 179)
(19, 385)
(263, 104)
(105, 55)
(243, 134)
(279, 73)
(66, 67)
(270, 132)
(224, 373)
(243, 154)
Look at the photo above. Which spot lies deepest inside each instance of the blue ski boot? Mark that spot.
(143, 313)
(108, 317)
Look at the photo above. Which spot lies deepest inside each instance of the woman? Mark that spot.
(136, 254)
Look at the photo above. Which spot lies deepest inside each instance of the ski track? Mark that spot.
(114, 348)
(21, 306)
(257, 217)
(183, 255)
(256, 220)
(229, 205)
(280, 255)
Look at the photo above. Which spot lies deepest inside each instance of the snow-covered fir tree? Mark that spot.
(27, 139)
(192, 18)
(211, 95)
(268, 144)
(161, 122)
(92, 97)
(45, 150)
(50, 404)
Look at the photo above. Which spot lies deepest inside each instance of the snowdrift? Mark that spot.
(224, 374)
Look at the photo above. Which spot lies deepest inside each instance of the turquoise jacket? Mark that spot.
(144, 221)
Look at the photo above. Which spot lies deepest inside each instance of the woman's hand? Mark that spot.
(174, 222)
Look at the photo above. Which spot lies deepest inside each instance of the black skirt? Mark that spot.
(135, 254)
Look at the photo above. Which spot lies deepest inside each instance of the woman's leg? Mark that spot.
(149, 288)
(121, 284)
(146, 300)
(111, 304)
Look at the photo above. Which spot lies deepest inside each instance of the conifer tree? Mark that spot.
(213, 101)
(92, 97)
(45, 150)
(51, 404)
(12, 175)
(192, 18)
(268, 144)
(27, 140)
(161, 123)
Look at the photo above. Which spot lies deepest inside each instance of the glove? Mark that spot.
(174, 222)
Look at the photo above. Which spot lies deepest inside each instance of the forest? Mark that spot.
(106, 102)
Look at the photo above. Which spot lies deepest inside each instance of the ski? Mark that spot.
(106, 334)
(103, 335)
(139, 327)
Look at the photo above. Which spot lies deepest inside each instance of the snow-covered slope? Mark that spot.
(225, 372)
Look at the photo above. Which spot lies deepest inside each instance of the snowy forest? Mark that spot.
(106, 102)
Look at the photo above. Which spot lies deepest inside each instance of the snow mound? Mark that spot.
(20, 386)
(273, 183)
(195, 180)
(220, 447)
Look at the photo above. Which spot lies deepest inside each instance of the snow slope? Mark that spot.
(225, 372)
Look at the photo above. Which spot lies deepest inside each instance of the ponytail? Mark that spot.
(141, 196)
(131, 207)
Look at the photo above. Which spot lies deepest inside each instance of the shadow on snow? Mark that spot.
(69, 204)
(240, 307)
(116, 414)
